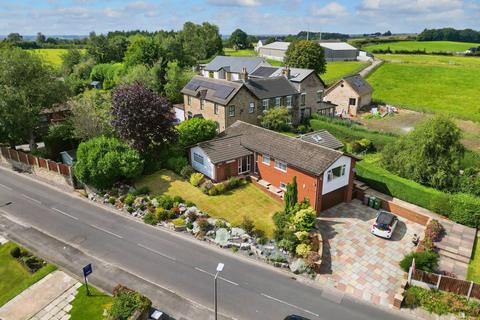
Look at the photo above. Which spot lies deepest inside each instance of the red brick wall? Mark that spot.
(307, 184)
(226, 170)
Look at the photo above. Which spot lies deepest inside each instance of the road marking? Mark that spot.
(156, 252)
(106, 231)
(65, 214)
(290, 305)
(5, 187)
(211, 274)
(31, 199)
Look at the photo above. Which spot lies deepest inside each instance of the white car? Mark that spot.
(385, 224)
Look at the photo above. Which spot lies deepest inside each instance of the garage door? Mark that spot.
(333, 198)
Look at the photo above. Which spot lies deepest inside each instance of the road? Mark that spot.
(247, 289)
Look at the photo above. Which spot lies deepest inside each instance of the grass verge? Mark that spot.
(14, 277)
(474, 266)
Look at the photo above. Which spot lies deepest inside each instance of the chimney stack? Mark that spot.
(244, 74)
(286, 72)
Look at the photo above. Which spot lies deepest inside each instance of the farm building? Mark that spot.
(275, 50)
(349, 94)
(339, 51)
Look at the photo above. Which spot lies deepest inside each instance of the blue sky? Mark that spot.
(253, 16)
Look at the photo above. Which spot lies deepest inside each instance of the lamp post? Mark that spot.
(219, 269)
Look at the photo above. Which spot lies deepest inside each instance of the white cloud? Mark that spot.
(331, 10)
(235, 3)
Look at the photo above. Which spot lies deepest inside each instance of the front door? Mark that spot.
(244, 165)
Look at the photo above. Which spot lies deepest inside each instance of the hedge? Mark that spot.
(459, 207)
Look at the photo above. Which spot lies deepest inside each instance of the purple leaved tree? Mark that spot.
(142, 118)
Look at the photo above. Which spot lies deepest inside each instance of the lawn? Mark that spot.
(338, 69)
(240, 53)
(430, 84)
(247, 201)
(89, 307)
(14, 277)
(53, 56)
(428, 46)
(474, 266)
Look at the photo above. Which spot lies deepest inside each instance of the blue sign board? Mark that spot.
(87, 270)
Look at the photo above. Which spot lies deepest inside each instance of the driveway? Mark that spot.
(357, 262)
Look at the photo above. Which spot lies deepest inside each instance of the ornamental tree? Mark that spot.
(196, 130)
(306, 54)
(143, 119)
(291, 195)
(304, 220)
(102, 161)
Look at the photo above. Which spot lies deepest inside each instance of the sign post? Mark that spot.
(87, 270)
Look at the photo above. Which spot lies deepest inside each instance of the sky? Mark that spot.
(79, 17)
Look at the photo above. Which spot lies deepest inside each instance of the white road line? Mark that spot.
(65, 214)
(290, 305)
(31, 199)
(106, 231)
(5, 187)
(211, 274)
(156, 252)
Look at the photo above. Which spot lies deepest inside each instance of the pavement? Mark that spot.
(174, 270)
(362, 264)
(41, 300)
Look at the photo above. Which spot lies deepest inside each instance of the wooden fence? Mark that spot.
(30, 160)
(469, 289)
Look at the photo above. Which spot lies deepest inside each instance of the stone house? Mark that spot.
(229, 68)
(324, 175)
(349, 95)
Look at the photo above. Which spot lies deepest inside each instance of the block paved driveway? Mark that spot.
(356, 261)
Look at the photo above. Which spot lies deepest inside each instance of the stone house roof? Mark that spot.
(216, 90)
(356, 82)
(234, 64)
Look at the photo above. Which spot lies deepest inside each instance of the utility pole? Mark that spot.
(219, 269)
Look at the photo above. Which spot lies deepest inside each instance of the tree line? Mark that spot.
(449, 34)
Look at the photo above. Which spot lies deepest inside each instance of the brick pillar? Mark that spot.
(318, 200)
(349, 192)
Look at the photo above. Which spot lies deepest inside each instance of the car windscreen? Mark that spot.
(384, 220)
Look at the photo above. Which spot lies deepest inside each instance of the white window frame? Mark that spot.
(266, 159)
(331, 177)
(265, 104)
(231, 111)
(279, 164)
(278, 102)
(288, 101)
(240, 165)
(303, 98)
(198, 158)
(320, 95)
(251, 107)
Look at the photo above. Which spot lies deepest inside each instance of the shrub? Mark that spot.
(206, 186)
(179, 222)
(187, 171)
(129, 209)
(434, 231)
(410, 299)
(150, 218)
(142, 190)
(312, 258)
(196, 178)
(212, 191)
(426, 261)
(15, 252)
(247, 224)
(304, 220)
(221, 188)
(165, 201)
(191, 216)
(219, 224)
(189, 203)
(289, 241)
(234, 182)
(190, 225)
(33, 263)
(195, 130)
(111, 200)
(203, 224)
(302, 250)
(126, 301)
(172, 214)
(129, 199)
(302, 236)
(161, 213)
(176, 164)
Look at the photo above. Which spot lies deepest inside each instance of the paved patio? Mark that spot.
(357, 262)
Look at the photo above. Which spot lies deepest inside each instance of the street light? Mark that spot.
(219, 269)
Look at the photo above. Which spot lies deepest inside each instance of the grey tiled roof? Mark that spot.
(264, 72)
(265, 88)
(323, 138)
(220, 91)
(235, 64)
(296, 74)
(309, 157)
(224, 149)
(360, 85)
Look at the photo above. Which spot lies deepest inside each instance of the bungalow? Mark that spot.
(349, 95)
(324, 175)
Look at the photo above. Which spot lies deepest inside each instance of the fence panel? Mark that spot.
(52, 165)
(42, 163)
(14, 155)
(454, 285)
(475, 291)
(4, 151)
(426, 277)
(23, 157)
(64, 170)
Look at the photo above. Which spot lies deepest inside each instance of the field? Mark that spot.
(430, 84)
(14, 277)
(428, 46)
(247, 201)
(52, 56)
(338, 69)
